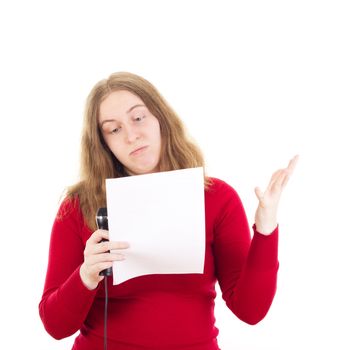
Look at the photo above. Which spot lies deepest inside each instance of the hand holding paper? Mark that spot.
(162, 217)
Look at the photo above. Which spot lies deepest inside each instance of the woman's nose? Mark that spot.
(131, 134)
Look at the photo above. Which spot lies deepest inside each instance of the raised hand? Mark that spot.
(266, 213)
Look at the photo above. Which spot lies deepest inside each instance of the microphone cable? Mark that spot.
(102, 224)
(105, 315)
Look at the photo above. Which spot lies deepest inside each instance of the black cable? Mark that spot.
(102, 224)
(105, 318)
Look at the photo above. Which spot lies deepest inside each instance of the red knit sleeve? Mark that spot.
(246, 268)
(65, 301)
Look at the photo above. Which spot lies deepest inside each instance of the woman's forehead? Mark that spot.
(118, 104)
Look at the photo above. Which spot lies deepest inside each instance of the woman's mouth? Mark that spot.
(137, 151)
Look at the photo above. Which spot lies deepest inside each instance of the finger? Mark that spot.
(104, 257)
(94, 244)
(97, 268)
(285, 181)
(292, 164)
(97, 236)
(290, 169)
(118, 245)
(280, 180)
(259, 193)
(276, 175)
(106, 246)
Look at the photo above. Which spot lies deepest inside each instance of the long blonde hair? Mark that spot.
(98, 163)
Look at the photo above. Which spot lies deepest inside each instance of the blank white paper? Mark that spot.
(162, 216)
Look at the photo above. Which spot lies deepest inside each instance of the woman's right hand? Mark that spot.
(97, 257)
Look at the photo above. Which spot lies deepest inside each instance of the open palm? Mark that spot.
(266, 213)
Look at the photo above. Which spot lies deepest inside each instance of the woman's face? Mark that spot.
(131, 132)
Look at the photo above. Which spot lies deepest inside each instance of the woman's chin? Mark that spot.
(142, 170)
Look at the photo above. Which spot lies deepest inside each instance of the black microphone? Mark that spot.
(102, 224)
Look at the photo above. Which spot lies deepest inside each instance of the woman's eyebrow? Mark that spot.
(128, 111)
(107, 121)
(138, 105)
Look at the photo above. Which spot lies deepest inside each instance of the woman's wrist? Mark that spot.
(265, 220)
(86, 283)
(266, 228)
(265, 223)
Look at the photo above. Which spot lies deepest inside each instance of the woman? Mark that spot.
(129, 129)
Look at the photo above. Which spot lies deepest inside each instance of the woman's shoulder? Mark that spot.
(221, 191)
(69, 207)
(219, 185)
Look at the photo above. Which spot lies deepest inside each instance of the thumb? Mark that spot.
(258, 193)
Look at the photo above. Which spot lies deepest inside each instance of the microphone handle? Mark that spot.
(102, 224)
(106, 272)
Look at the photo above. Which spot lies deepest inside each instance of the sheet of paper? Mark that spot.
(162, 216)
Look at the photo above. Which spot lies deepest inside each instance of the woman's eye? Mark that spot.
(114, 131)
(138, 119)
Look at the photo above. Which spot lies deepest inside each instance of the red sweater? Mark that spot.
(162, 311)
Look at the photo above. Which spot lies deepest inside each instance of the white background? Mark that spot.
(254, 81)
